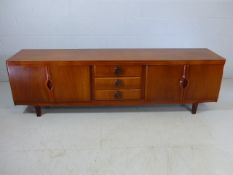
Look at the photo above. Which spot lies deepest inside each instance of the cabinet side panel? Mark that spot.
(28, 83)
(204, 83)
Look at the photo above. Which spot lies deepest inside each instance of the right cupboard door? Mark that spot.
(163, 83)
(204, 82)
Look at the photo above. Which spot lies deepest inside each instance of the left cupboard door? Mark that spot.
(71, 83)
(29, 84)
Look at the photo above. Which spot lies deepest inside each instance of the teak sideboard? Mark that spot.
(114, 77)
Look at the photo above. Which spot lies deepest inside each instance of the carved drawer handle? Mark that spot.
(118, 71)
(49, 84)
(118, 95)
(118, 83)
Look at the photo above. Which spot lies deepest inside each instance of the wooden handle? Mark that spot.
(49, 85)
(118, 70)
(118, 83)
(184, 81)
(118, 95)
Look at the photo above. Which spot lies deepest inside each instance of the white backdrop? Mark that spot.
(116, 24)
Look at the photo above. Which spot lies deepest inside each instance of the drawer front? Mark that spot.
(118, 83)
(117, 71)
(133, 94)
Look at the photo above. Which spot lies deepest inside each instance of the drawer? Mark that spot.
(117, 70)
(118, 83)
(133, 94)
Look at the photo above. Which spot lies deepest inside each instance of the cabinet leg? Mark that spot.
(194, 108)
(38, 111)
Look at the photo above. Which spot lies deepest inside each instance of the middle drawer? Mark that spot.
(118, 83)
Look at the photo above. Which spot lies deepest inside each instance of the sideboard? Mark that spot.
(114, 77)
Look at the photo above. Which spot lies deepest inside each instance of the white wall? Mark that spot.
(116, 24)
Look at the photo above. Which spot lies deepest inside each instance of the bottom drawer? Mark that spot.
(133, 94)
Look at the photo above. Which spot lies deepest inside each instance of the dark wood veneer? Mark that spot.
(114, 77)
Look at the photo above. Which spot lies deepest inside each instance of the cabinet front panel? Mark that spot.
(204, 82)
(118, 83)
(28, 83)
(71, 83)
(163, 83)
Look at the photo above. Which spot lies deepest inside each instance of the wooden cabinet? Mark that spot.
(115, 77)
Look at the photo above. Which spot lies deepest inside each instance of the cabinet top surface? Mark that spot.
(115, 55)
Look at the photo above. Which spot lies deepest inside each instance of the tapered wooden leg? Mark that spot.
(194, 108)
(38, 111)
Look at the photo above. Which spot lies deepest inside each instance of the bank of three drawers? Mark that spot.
(118, 82)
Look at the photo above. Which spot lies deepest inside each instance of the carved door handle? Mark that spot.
(184, 81)
(49, 84)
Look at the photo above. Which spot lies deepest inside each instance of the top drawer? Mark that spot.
(117, 71)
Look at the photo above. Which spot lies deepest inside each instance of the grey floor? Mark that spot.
(161, 140)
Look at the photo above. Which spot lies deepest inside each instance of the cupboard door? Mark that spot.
(29, 84)
(71, 83)
(204, 82)
(163, 83)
